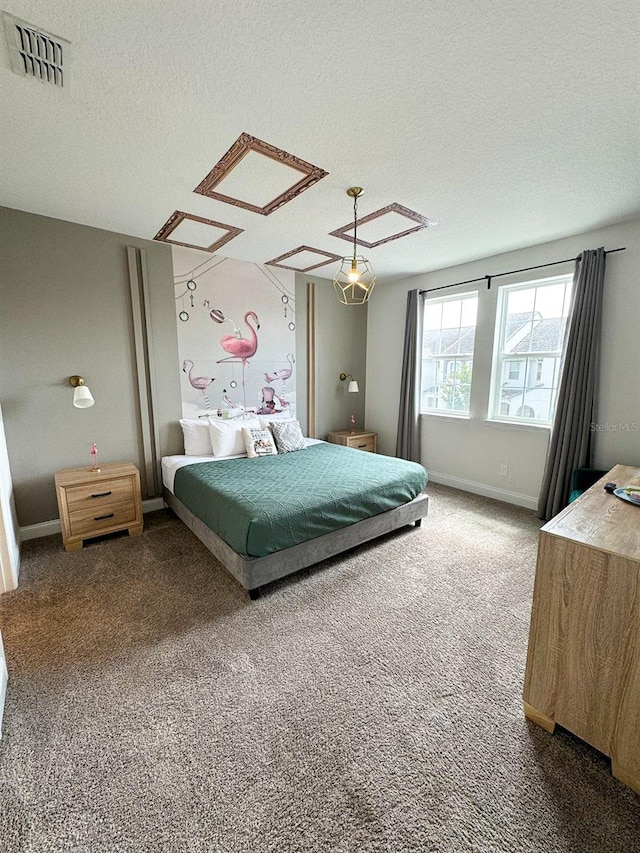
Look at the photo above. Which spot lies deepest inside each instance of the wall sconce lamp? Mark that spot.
(353, 385)
(82, 397)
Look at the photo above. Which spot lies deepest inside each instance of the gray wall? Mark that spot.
(65, 309)
(341, 343)
(467, 453)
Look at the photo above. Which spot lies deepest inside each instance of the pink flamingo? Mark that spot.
(284, 373)
(200, 383)
(241, 349)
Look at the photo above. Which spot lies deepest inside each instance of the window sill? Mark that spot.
(445, 415)
(493, 422)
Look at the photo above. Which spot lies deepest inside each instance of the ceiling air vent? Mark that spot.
(35, 53)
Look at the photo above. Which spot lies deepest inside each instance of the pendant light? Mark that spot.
(355, 280)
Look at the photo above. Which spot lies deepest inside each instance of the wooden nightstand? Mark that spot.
(361, 439)
(92, 503)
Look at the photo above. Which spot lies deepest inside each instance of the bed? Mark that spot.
(265, 518)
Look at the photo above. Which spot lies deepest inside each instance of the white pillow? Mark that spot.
(227, 438)
(195, 433)
(284, 415)
(259, 442)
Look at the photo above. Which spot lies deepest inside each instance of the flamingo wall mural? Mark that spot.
(200, 382)
(283, 373)
(241, 349)
(236, 341)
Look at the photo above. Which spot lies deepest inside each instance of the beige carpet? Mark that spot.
(368, 704)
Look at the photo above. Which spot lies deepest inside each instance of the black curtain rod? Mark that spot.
(488, 278)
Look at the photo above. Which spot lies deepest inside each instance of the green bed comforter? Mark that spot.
(263, 505)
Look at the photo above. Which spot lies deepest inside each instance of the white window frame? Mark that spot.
(499, 358)
(451, 357)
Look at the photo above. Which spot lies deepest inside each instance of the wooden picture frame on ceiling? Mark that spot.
(179, 216)
(328, 259)
(234, 156)
(423, 222)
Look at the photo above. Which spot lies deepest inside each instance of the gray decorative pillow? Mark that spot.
(259, 442)
(288, 436)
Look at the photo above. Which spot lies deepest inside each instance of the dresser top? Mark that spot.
(601, 520)
(84, 474)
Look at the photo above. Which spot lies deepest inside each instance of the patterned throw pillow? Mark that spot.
(288, 436)
(259, 442)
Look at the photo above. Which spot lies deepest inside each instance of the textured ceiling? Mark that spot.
(506, 123)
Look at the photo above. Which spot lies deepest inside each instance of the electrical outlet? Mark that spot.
(504, 469)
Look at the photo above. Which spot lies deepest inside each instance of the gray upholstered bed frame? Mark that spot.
(255, 572)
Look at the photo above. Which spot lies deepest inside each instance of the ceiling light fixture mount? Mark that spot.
(355, 280)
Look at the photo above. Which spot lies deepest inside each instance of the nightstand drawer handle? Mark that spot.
(101, 517)
(362, 445)
(101, 495)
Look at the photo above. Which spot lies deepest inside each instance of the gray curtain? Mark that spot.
(408, 440)
(571, 444)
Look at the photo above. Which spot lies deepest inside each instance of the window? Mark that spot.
(530, 330)
(514, 370)
(525, 412)
(447, 353)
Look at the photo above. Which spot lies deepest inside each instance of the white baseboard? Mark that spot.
(486, 491)
(35, 531)
(50, 528)
(153, 504)
(4, 677)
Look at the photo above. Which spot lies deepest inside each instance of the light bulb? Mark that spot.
(354, 274)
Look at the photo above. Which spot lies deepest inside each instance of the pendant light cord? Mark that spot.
(355, 224)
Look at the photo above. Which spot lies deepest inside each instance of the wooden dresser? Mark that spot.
(92, 503)
(361, 439)
(583, 663)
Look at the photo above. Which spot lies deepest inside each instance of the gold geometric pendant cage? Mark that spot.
(356, 292)
(355, 280)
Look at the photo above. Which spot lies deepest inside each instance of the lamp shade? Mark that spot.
(353, 387)
(82, 397)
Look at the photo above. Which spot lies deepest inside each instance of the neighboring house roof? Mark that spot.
(515, 322)
(449, 341)
(546, 335)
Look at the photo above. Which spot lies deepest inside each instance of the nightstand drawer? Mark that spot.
(366, 443)
(93, 520)
(94, 495)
